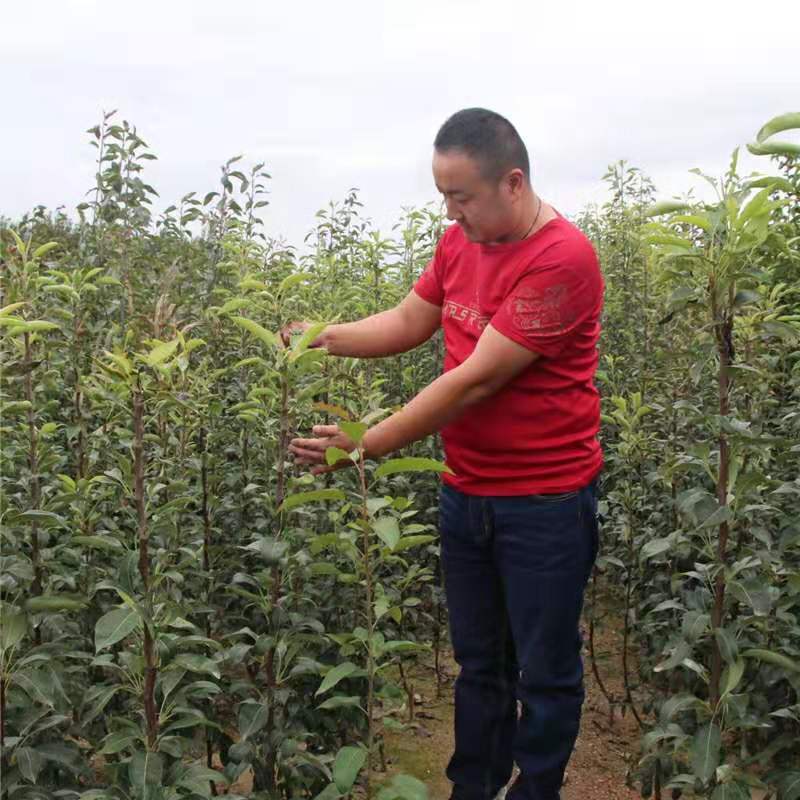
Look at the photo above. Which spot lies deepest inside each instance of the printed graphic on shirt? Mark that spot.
(546, 309)
(471, 316)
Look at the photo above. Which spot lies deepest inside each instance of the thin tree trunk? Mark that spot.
(370, 625)
(723, 329)
(150, 671)
(35, 487)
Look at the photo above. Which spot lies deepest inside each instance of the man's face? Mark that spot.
(484, 208)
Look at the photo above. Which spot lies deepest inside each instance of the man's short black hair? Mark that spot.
(488, 138)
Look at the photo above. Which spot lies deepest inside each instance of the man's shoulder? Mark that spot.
(568, 243)
(568, 233)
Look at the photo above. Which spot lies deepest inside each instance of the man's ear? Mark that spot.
(515, 180)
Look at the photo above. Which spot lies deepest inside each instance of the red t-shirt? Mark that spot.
(538, 434)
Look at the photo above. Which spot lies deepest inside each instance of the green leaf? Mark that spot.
(790, 149)
(340, 701)
(347, 765)
(61, 754)
(411, 465)
(387, 530)
(14, 627)
(404, 787)
(197, 663)
(30, 763)
(261, 333)
(270, 549)
(376, 504)
(303, 498)
(117, 742)
(161, 352)
(11, 308)
(783, 122)
(789, 785)
(706, 752)
(773, 181)
(655, 547)
(34, 326)
(16, 408)
(776, 659)
(53, 602)
(329, 408)
(44, 249)
(666, 207)
(334, 454)
(353, 430)
(728, 646)
(681, 296)
(291, 281)
(722, 514)
(97, 698)
(698, 220)
(199, 777)
(407, 542)
(146, 769)
(677, 704)
(731, 791)
(104, 543)
(694, 625)
(681, 651)
(303, 343)
(756, 593)
(333, 676)
(187, 721)
(252, 718)
(169, 679)
(330, 792)
(745, 296)
(39, 517)
(402, 646)
(114, 626)
(234, 304)
(731, 676)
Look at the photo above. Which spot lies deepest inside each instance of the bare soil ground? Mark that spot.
(598, 766)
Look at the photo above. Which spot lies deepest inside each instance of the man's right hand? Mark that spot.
(386, 333)
(287, 331)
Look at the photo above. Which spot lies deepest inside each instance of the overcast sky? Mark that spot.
(338, 94)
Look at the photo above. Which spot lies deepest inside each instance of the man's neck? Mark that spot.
(534, 215)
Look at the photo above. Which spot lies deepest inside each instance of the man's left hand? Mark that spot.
(312, 451)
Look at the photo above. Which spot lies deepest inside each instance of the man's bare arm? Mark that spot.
(495, 361)
(402, 328)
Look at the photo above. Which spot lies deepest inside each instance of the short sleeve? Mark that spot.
(549, 304)
(429, 285)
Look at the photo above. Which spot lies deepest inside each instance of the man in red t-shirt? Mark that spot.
(518, 292)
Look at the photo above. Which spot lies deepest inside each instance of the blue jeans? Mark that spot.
(515, 570)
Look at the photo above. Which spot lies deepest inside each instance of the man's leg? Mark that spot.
(545, 548)
(485, 697)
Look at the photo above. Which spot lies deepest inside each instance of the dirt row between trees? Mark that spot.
(598, 767)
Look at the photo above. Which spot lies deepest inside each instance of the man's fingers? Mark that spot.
(343, 464)
(308, 452)
(287, 331)
(325, 430)
(308, 444)
(312, 451)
